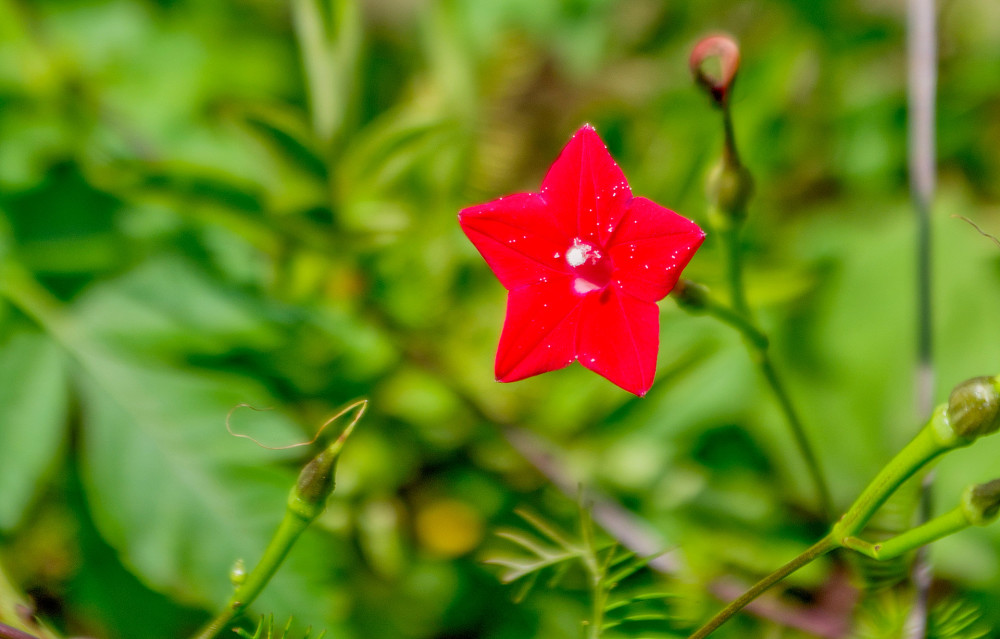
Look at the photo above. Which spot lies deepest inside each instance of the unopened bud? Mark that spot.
(974, 408)
(729, 189)
(316, 480)
(981, 503)
(722, 51)
(690, 295)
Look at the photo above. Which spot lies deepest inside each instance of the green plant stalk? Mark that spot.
(750, 332)
(935, 438)
(758, 343)
(292, 525)
(815, 551)
(730, 238)
(595, 577)
(306, 501)
(930, 442)
(798, 430)
(730, 194)
(941, 526)
(759, 350)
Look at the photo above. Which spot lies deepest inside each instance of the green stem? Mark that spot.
(727, 315)
(284, 538)
(798, 431)
(734, 270)
(595, 576)
(697, 299)
(942, 526)
(933, 439)
(818, 549)
(730, 153)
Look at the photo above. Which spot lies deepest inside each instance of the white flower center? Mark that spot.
(581, 252)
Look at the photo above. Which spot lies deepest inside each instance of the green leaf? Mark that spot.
(33, 405)
(175, 494)
(168, 305)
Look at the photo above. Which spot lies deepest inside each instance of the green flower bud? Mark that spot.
(315, 485)
(729, 189)
(981, 503)
(316, 480)
(974, 408)
(690, 295)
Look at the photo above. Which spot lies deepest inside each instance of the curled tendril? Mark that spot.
(360, 406)
(981, 231)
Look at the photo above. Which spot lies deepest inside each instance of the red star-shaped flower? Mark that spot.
(584, 264)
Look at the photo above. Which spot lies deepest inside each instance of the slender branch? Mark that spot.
(730, 187)
(798, 432)
(818, 549)
(947, 524)
(695, 298)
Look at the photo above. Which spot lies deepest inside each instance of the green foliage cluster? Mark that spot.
(212, 202)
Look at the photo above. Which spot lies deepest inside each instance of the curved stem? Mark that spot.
(727, 315)
(818, 549)
(284, 538)
(922, 449)
(941, 526)
(798, 432)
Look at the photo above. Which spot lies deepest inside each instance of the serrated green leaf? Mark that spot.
(33, 406)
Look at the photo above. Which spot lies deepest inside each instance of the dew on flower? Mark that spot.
(622, 320)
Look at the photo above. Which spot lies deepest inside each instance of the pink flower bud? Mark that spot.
(718, 81)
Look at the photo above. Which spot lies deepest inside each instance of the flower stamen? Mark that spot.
(581, 252)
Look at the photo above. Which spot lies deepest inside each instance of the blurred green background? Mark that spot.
(209, 202)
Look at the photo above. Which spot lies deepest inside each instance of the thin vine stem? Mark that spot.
(815, 551)
(798, 431)
(728, 214)
(292, 525)
(757, 341)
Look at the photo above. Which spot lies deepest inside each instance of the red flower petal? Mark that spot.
(585, 188)
(539, 333)
(519, 238)
(650, 249)
(619, 337)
